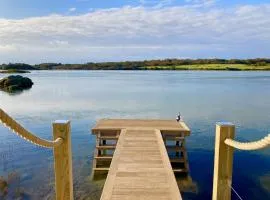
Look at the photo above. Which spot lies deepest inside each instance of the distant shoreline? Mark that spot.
(157, 69)
(211, 67)
(258, 64)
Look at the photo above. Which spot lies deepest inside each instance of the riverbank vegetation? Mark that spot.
(14, 71)
(17, 66)
(166, 64)
(224, 67)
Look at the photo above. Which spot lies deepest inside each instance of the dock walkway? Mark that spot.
(140, 167)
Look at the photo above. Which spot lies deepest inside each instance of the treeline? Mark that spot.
(133, 65)
(19, 66)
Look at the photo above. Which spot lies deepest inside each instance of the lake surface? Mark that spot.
(203, 98)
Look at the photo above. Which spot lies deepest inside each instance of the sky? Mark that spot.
(80, 31)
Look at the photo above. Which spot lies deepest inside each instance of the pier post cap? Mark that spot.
(61, 121)
(230, 124)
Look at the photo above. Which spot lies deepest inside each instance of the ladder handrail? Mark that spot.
(10, 123)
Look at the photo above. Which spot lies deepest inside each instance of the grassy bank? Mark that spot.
(14, 71)
(224, 67)
(167, 64)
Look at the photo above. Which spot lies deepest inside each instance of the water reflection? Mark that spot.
(186, 184)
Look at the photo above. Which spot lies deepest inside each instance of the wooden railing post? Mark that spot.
(223, 162)
(63, 161)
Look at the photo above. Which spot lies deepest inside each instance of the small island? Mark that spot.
(13, 84)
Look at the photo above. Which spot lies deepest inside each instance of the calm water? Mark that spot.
(83, 97)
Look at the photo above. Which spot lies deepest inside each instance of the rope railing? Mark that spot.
(260, 144)
(223, 161)
(25, 134)
(62, 154)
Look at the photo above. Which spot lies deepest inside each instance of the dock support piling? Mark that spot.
(223, 162)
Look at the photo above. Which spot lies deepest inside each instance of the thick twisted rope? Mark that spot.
(260, 144)
(26, 135)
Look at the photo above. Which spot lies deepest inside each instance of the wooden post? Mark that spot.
(223, 162)
(63, 161)
(104, 142)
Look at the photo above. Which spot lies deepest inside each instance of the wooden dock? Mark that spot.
(142, 165)
(138, 159)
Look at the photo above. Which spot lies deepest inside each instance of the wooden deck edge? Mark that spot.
(108, 186)
(95, 131)
(171, 126)
(167, 163)
(183, 124)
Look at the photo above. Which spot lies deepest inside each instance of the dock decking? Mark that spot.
(140, 167)
(162, 125)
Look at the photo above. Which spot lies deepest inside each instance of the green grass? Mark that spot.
(225, 67)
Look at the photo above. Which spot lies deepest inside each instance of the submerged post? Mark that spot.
(63, 161)
(223, 162)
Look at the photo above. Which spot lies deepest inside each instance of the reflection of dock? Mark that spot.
(186, 184)
(142, 154)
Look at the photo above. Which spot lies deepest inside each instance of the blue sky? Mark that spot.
(81, 31)
(16, 9)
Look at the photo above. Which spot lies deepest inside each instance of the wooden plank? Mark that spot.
(104, 158)
(174, 138)
(183, 124)
(140, 168)
(171, 126)
(101, 169)
(177, 160)
(106, 147)
(180, 170)
(167, 165)
(109, 137)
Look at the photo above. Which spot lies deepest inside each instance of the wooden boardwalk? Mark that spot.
(140, 167)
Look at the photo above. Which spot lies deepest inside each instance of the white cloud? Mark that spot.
(156, 3)
(7, 48)
(60, 43)
(204, 3)
(72, 9)
(138, 33)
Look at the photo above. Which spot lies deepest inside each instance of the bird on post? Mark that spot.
(178, 117)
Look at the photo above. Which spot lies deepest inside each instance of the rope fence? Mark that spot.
(260, 144)
(62, 154)
(223, 161)
(25, 134)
